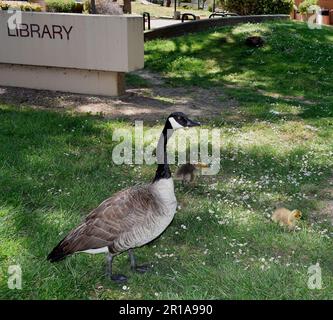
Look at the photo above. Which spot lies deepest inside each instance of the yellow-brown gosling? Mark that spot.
(287, 218)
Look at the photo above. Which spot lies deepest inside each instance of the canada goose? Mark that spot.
(188, 172)
(285, 217)
(132, 217)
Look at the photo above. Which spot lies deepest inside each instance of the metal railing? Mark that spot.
(216, 14)
(185, 16)
(222, 14)
(145, 16)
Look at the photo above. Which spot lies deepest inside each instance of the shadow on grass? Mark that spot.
(57, 163)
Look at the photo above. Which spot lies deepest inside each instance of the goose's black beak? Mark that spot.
(191, 123)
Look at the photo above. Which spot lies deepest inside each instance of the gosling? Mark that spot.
(188, 172)
(286, 218)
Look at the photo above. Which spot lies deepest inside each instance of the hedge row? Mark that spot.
(20, 5)
(254, 7)
(68, 6)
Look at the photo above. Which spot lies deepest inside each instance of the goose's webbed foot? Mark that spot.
(118, 278)
(137, 268)
(142, 269)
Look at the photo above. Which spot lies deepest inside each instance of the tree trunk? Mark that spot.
(127, 6)
(168, 3)
(93, 6)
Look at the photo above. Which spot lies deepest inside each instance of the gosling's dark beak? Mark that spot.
(191, 123)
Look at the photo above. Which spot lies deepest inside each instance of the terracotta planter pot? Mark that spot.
(298, 16)
(324, 17)
(325, 20)
(305, 17)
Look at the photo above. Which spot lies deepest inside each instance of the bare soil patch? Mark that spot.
(154, 102)
(326, 211)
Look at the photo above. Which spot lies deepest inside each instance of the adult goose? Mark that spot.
(132, 217)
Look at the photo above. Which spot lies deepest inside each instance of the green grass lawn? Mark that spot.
(277, 148)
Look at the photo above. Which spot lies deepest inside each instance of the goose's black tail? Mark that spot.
(58, 253)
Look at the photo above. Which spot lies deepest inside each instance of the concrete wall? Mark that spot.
(106, 83)
(94, 42)
(70, 52)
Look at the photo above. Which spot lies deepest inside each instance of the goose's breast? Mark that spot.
(151, 231)
(157, 220)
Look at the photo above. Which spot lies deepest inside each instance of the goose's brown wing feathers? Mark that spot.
(111, 220)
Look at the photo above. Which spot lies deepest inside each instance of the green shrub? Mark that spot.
(20, 5)
(247, 7)
(4, 6)
(304, 6)
(277, 6)
(31, 7)
(67, 6)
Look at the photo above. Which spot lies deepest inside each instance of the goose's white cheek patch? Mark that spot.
(175, 125)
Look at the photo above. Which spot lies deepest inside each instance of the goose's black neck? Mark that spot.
(163, 169)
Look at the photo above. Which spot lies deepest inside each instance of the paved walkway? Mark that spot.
(158, 23)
